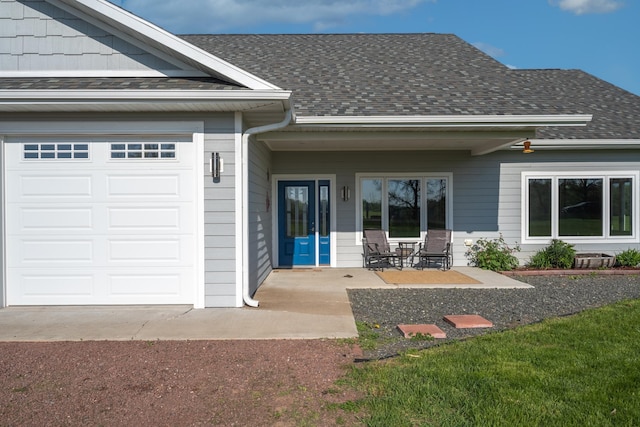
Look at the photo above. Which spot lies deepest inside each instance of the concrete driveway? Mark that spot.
(294, 304)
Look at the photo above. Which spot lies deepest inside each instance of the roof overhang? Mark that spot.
(481, 134)
(28, 101)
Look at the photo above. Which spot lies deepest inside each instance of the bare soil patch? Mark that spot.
(174, 383)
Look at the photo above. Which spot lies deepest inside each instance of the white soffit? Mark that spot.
(149, 36)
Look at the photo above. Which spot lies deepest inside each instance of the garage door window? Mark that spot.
(143, 151)
(55, 151)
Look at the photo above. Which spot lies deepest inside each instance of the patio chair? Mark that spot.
(437, 246)
(377, 251)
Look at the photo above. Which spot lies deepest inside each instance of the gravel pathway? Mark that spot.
(507, 308)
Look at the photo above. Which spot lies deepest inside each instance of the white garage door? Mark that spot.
(100, 222)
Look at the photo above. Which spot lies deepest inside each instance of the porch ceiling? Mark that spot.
(478, 134)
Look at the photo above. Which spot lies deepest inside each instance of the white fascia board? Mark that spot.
(13, 96)
(107, 12)
(447, 121)
(577, 144)
(101, 73)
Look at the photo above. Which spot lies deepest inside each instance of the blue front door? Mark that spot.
(296, 223)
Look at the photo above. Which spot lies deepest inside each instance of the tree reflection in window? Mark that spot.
(404, 207)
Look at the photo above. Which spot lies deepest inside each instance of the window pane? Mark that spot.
(539, 207)
(436, 204)
(580, 202)
(371, 191)
(404, 207)
(297, 211)
(324, 211)
(620, 215)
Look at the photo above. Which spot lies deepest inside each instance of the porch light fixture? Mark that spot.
(527, 147)
(345, 193)
(216, 165)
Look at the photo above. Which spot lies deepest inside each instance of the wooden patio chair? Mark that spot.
(437, 246)
(377, 251)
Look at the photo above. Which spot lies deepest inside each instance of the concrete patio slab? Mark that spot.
(294, 304)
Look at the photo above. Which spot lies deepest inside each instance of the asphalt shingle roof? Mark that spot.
(395, 75)
(422, 74)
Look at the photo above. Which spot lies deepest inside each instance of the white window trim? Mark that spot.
(606, 176)
(407, 175)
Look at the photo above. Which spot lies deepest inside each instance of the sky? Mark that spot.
(601, 37)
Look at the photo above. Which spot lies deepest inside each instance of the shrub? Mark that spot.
(493, 255)
(558, 254)
(628, 258)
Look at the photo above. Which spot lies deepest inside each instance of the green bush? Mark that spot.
(558, 254)
(628, 258)
(493, 255)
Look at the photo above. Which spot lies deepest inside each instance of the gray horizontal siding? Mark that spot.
(558, 161)
(220, 214)
(36, 36)
(486, 189)
(260, 228)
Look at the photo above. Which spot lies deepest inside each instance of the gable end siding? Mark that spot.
(36, 36)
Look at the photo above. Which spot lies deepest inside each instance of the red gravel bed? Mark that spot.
(174, 383)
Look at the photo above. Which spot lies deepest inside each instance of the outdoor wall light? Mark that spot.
(216, 165)
(346, 193)
(527, 147)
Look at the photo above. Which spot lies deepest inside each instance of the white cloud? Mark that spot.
(490, 50)
(212, 16)
(581, 7)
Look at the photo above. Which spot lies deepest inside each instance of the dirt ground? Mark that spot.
(175, 383)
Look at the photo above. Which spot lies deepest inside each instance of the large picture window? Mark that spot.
(404, 206)
(581, 207)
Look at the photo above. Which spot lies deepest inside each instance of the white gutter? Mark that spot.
(585, 144)
(449, 120)
(245, 199)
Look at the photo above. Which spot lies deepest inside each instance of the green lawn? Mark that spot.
(582, 370)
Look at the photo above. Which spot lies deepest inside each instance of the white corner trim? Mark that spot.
(450, 120)
(200, 287)
(3, 234)
(141, 29)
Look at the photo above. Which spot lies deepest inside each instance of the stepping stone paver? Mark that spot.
(468, 321)
(411, 330)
